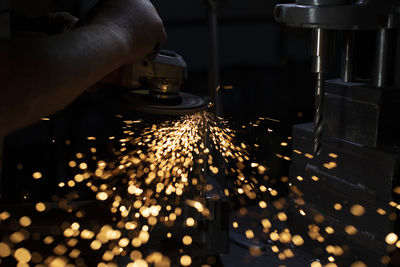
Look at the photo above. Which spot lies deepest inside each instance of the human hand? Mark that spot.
(136, 22)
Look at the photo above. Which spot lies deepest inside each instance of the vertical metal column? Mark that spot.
(213, 54)
(347, 66)
(383, 72)
(396, 63)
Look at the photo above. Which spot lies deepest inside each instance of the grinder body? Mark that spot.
(155, 83)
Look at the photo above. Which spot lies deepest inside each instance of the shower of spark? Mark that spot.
(157, 187)
(159, 179)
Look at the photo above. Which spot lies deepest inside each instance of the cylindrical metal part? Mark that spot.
(318, 118)
(347, 66)
(213, 57)
(321, 41)
(396, 74)
(383, 70)
(323, 2)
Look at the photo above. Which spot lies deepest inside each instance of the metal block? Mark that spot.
(361, 114)
(367, 171)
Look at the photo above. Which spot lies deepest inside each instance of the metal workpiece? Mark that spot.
(347, 64)
(364, 15)
(360, 114)
(383, 73)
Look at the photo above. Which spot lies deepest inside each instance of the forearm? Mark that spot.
(42, 75)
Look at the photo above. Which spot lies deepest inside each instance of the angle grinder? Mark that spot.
(156, 82)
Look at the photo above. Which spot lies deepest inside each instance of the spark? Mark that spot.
(391, 238)
(158, 178)
(37, 175)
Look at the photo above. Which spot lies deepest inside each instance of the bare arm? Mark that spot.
(45, 74)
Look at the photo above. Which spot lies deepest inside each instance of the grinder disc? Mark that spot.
(186, 103)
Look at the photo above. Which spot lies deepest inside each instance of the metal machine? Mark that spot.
(156, 82)
(327, 18)
(355, 136)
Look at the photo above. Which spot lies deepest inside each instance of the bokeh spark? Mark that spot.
(151, 202)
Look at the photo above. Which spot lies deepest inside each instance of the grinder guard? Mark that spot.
(157, 80)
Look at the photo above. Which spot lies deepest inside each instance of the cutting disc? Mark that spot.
(186, 103)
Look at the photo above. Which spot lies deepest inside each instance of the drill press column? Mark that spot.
(383, 71)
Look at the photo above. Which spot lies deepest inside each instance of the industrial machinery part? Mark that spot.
(163, 71)
(157, 81)
(328, 17)
(339, 14)
(356, 122)
(320, 65)
(143, 101)
(213, 53)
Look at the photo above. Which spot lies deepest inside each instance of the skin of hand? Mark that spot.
(136, 21)
(40, 76)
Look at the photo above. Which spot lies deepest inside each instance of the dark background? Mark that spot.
(266, 63)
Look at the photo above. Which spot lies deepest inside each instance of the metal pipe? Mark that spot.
(383, 70)
(213, 55)
(347, 68)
